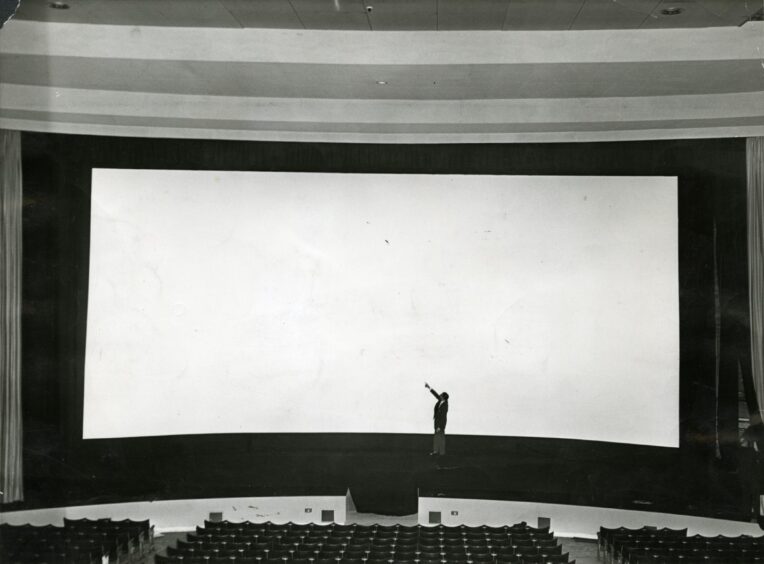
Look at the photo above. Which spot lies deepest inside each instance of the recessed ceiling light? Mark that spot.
(381, 82)
(59, 5)
(671, 11)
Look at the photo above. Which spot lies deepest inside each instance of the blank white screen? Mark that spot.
(223, 302)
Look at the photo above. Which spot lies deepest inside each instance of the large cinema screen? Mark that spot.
(274, 302)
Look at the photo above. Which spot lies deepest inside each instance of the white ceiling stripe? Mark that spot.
(391, 48)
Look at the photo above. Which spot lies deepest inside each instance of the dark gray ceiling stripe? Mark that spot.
(419, 82)
(418, 14)
(377, 128)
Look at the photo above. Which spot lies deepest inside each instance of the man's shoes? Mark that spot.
(433, 453)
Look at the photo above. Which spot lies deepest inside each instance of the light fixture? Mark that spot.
(59, 5)
(381, 82)
(671, 11)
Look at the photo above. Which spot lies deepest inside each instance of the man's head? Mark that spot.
(444, 396)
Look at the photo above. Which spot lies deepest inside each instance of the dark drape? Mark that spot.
(11, 482)
(755, 154)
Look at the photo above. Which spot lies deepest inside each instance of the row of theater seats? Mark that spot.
(673, 546)
(79, 541)
(248, 543)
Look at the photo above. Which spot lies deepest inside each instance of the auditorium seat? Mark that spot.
(407, 543)
(175, 551)
(550, 546)
(550, 549)
(334, 544)
(673, 546)
(382, 539)
(193, 560)
(605, 535)
(79, 540)
(279, 554)
(554, 558)
(84, 522)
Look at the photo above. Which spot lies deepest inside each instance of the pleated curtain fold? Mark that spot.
(755, 163)
(11, 477)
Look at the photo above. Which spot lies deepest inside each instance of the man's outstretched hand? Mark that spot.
(426, 385)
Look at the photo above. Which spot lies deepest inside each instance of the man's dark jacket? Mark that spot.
(440, 413)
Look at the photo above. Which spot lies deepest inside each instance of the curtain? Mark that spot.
(755, 154)
(11, 483)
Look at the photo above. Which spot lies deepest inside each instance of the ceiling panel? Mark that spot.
(731, 12)
(182, 13)
(331, 14)
(618, 14)
(404, 15)
(693, 15)
(701, 13)
(643, 7)
(397, 15)
(541, 14)
(263, 13)
(477, 14)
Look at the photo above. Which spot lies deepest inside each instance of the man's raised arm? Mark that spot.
(433, 392)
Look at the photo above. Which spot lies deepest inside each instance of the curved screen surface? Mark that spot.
(227, 302)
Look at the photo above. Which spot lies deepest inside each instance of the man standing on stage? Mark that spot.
(439, 417)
